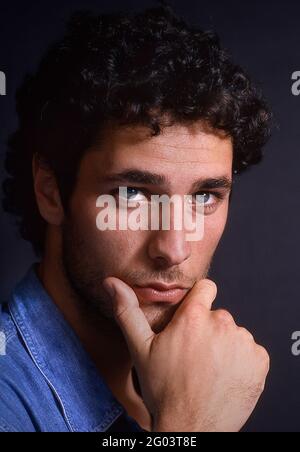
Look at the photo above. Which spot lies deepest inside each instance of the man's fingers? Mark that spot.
(129, 316)
(203, 294)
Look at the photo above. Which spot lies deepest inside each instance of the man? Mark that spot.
(114, 330)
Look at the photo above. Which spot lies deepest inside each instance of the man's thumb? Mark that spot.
(129, 316)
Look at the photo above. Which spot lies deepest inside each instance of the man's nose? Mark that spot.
(169, 248)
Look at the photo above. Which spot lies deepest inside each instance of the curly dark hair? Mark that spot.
(133, 69)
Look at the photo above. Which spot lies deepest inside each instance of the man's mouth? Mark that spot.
(160, 293)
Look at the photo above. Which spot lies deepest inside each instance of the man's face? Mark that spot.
(189, 160)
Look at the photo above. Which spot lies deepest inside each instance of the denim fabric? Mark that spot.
(47, 381)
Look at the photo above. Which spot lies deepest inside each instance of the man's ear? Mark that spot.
(47, 193)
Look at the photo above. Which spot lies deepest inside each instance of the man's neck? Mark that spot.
(102, 340)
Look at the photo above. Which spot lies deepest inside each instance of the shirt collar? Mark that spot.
(86, 402)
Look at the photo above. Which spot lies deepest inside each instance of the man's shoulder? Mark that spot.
(26, 401)
(13, 416)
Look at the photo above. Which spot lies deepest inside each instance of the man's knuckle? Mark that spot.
(246, 334)
(264, 357)
(223, 317)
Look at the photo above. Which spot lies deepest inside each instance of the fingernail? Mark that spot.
(109, 288)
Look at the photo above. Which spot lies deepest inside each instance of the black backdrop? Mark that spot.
(256, 266)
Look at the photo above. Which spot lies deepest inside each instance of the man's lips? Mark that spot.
(160, 293)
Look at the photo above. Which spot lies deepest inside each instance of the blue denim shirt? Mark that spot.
(47, 380)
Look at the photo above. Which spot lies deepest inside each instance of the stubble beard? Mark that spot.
(84, 278)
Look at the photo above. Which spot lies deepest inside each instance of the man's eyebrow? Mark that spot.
(135, 176)
(212, 184)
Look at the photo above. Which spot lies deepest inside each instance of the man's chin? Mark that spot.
(159, 315)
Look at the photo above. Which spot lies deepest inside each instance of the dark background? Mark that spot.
(256, 266)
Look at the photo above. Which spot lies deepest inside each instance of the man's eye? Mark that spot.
(134, 194)
(206, 198)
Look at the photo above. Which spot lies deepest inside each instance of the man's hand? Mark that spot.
(202, 373)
